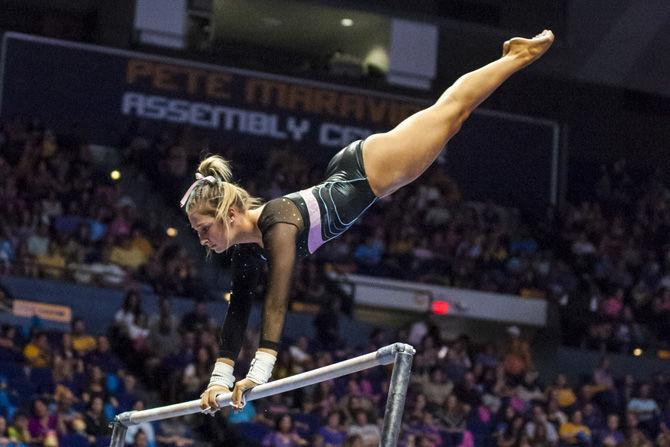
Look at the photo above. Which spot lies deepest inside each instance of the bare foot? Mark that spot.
(529, 50)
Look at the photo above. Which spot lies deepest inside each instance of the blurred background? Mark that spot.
(530, 266)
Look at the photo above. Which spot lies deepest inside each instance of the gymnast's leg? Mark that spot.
(395, 158)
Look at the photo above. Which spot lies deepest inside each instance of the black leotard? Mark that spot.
(315, 216)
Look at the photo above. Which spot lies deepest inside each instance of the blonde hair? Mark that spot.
(216, 198)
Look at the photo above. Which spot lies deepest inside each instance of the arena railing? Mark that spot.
(400, 354)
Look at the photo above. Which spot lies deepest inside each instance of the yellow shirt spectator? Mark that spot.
(83, 344)
(127, 257)
(566, 397)
(37, 352)
(142, 244)
(574, 431)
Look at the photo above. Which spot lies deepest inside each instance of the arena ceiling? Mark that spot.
(622, 43)
(307, 28)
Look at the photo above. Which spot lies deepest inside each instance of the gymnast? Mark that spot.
(287, 228)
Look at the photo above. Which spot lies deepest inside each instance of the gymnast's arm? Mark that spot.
(246, 270)
(279, 242)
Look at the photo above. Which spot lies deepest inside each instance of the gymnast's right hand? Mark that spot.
(208, 398)
(222, 381)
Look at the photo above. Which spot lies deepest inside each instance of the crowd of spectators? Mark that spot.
(62, 217)
(605, 255)
(63, 388)
(617, 244)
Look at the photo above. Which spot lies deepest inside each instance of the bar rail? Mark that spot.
(400, 354)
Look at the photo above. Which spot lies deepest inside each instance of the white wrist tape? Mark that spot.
(261, 367)
(222, 375)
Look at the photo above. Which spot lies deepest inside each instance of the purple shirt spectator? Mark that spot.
(38, 430)
(332, 438)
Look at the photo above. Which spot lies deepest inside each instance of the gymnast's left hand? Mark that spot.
(239, 390)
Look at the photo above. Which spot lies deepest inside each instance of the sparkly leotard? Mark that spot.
(315, 216)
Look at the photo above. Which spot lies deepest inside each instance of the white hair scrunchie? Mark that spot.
(199, 178)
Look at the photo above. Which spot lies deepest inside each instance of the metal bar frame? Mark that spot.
(400, 354)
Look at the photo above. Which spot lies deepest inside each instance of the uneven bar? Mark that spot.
(382, 356)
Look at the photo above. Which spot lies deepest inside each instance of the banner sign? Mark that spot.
(51, 312)
(103, 86)
(104, 90)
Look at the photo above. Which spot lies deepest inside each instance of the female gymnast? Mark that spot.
(282, 230)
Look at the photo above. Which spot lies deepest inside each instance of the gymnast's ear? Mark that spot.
(232, 213)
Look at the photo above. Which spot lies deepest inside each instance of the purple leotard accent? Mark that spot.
(314, 238)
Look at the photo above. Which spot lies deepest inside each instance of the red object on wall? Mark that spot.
(440, 307)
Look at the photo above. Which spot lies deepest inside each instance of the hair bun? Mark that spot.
(217, 167)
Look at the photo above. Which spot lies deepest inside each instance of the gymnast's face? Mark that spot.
(211, 233)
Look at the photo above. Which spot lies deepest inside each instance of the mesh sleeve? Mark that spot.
(279, 241)
(247, 266)
(281, 210)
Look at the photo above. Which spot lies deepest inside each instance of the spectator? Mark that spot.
(368, 255)
(175, 433)
(637, 438)
(453, 418)
(435, 386)
(369, 432)
(65, 411)
(197, 319)
(129, 312)
(145, 427)
(8, 346)
(246, 414)
(327, 325)
(103, 357)
(562, 392)
(603, 382)
(43, 426)
(529, 390)
(127, 396)
(82, 342)
(299, 352)
(38, 243)
(333, 433)
(284, 435)
(430, 430)
(539, 421)
(96, 422)
(574, 432)
(196, 374)
(127, 255)
(52, 263)
(38, 352)
(512, 434)
(516, 358)
(592, 417)
(644, 407)
(321, 399)
(612, 435)
(140, 439)
(19, 431)
(4, 435)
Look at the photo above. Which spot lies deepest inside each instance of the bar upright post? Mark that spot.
(395, 403)
(118, 434)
